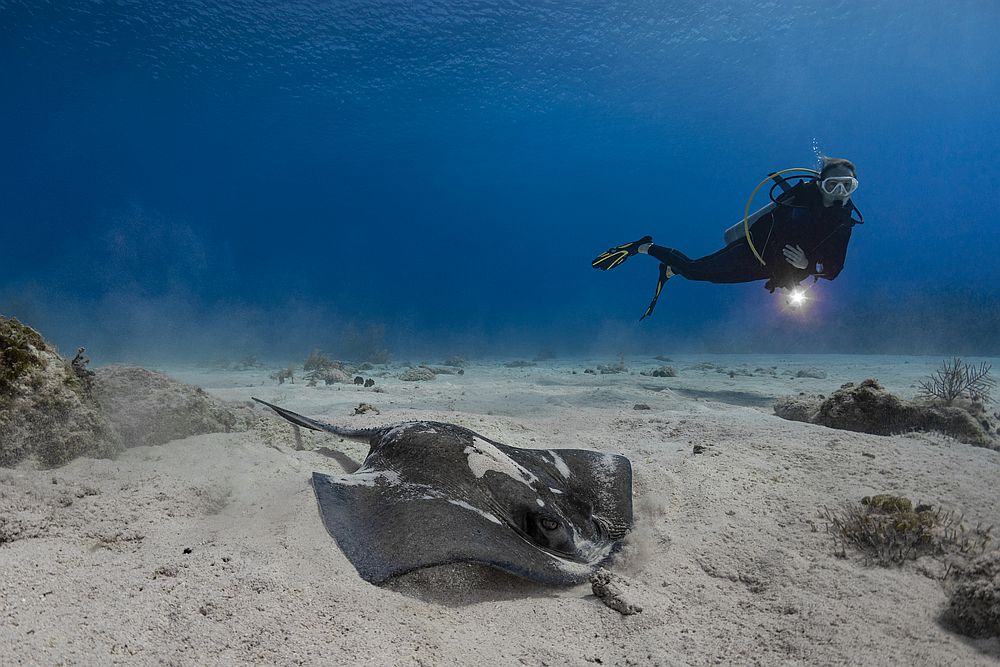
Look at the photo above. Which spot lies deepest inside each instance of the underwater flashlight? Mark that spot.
(796, 298)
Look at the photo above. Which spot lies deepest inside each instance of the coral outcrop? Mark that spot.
(328, 375)
(46, 410)
(321, 368)
(53, 410)
(417, 374)
(869, 408)
(974, 606)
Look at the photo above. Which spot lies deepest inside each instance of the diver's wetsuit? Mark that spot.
(800, 219)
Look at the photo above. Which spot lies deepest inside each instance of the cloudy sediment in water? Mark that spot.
(230, 178)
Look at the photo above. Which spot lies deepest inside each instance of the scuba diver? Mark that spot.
(803, 232)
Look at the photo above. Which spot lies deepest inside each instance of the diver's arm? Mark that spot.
(832, 254)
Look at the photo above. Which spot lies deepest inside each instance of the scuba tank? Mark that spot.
(735, 233)
(742, 228)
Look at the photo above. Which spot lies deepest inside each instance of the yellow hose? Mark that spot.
(746, 214)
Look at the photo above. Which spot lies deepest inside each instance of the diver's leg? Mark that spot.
(733, 264)
(675, 260)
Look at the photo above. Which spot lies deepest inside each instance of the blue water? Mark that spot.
(199, 179)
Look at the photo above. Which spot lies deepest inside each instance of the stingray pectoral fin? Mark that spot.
(385, 531)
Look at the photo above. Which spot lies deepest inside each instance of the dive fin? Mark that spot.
(612, 257)
(661, 281)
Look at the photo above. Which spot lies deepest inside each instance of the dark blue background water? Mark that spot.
(225, 178)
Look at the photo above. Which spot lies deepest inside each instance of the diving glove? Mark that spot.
(615, 256)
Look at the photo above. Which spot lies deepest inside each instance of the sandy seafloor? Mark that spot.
(729, 558)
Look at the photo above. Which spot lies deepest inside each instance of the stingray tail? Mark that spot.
(363, 434)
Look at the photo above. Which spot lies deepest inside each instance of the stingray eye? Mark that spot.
(549, 532)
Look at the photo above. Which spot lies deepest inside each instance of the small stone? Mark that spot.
(165, 571)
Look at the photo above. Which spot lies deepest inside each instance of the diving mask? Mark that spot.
(839, 187)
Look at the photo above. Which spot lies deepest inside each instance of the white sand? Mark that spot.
(730, 559)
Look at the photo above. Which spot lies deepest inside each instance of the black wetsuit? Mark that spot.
(800, 219)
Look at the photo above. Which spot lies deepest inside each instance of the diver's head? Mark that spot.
(837, 181)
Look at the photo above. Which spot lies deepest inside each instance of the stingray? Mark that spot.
(431, 493)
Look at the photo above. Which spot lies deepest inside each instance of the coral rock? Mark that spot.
(45, 410)
(869, 408)
(417, 374)
(801, 408)
(974, 607)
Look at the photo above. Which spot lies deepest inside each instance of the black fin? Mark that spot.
(612, 257)
(359, 434)
(659, 288)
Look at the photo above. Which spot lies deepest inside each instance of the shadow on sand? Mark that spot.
(745, 399)
(463, 584)
(346, 462)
